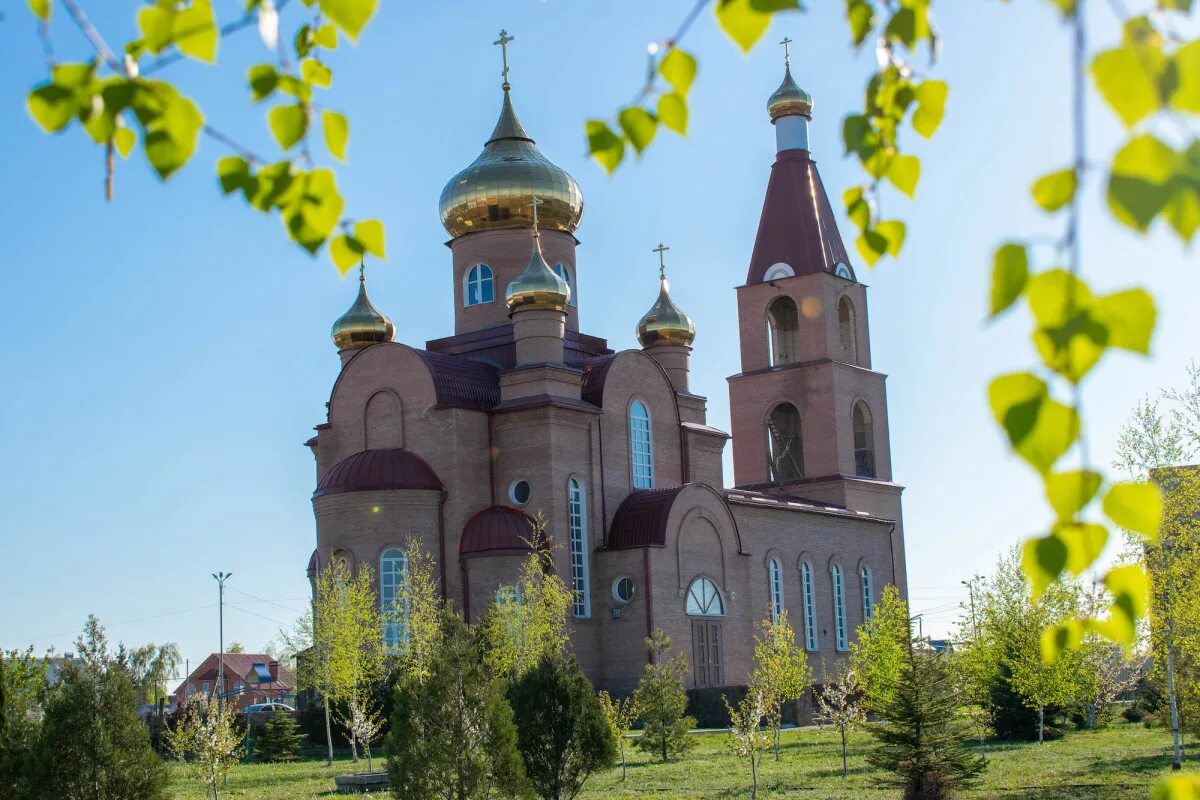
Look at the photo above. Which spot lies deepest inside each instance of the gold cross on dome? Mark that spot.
(537, 201)
(362, 270)
(503, 42)
(786, 60)
(662, 264)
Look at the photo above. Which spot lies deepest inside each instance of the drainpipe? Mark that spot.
(649, 600)
(442, 539)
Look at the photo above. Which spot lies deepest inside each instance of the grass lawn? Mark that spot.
(1118, 762)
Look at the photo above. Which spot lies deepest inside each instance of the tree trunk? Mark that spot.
(1041, 724)
(1176, 742)
(367, 748)
(328, 734)
(753, 777)
(354, 748)
(1091, 715)
(844, 753)
(777, 742)
(622, 760)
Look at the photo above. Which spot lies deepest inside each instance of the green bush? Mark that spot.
(280, 739)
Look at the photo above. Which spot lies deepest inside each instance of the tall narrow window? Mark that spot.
(393, 574)
(785, 447)
(864, 442)
(640, 446)
(581, 605)
(775, 583)
(479, 285)
(563, 272)
(867, 594)
(839, 607)
(846, 329)
(783, 324)
(810, 611)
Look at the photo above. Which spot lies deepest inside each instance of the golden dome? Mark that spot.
(665, 322)
(538, 286)
(789, 99)
(493, 192)
(362, 325)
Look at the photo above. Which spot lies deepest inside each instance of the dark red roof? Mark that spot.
(498, 530)
(641, 519)
(797, 226)
(595, 370)
(371, 470)
(461, 381)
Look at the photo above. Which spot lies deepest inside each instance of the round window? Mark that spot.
(622, 589)
(519, 492)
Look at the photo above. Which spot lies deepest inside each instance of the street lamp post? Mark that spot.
(971, 592)
(220, 578)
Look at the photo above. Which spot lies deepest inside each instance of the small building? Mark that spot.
(249, 678)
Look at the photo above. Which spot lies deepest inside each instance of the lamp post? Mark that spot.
(971, 592)
(220, 578)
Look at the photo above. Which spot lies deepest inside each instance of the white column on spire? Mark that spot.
(791, 133)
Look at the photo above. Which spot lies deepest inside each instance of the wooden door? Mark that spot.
(706, 652)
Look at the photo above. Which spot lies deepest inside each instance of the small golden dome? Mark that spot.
(665, 322)
(538, 286)
(493, 192)
(362, 325)
(789, 99)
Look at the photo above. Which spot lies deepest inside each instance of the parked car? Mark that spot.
(265, 709)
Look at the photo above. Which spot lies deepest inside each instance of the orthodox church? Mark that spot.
(458, 444)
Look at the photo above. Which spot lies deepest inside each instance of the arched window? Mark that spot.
(393, 575)
(867, 594)
(810, 611)
(846, 329)
(864, 442)
(563, 272)
(783, 324)
(775, 584)
(479, 285)
(839, 607)
(640, 446)
(785, 447)
(703, 599)
(577, 517)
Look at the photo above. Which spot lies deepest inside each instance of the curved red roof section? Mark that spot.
(641, 519)
(497, 531)
(371, 470)
(797, 226)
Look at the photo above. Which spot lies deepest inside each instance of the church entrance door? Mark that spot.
(706, 652)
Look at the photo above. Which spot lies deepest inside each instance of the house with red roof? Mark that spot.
(249, 678)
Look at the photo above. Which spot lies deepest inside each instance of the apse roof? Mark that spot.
(498, 530)
(462, 381)
(370, 470)
(641, 519)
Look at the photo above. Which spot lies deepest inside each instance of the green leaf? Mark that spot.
(894, 231)
(1132, 77)
(1129, 589)
(316, 73)
(859, 137)
(288, 124)
(264, 79)
(742, 22)
(1084, 542)
(931, 107)
(1010, 271)
(1043, 559)
(51, 106)
(350, 15)
(276, 185)
(171, 125)
(860, 14)
(124, 139)
(369, 233)
(1055, 190)
(1058, 639)
(1069, 492)
(154, 23)
(639, 126)
(1187, 785)
(1186, 61)
(337, 133)
(871, 245)
(857, 207)
(304, 41)
(1039, 428)
(1069, 336)
(41, 9)
(1066, 7)
(314, 210)
(1129, 317)
(234, 175)
(904, 173)
(346, 252)
(297, 88)
(673, 112)
(605, 146)
(326, 37)
(1140, 184)
(1135, 507)
(678, 68)
(910, 24)
(194, 31)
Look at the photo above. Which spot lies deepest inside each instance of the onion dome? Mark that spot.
(789, 99)
(493, 192)
(363, 324)
(538, 286)
(665, 322)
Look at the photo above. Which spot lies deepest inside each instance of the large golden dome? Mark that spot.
(789, 99)
(362, 325)
(538, 286)
(665, 322)
(494, 191)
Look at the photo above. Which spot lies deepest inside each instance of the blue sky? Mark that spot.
(165, 356)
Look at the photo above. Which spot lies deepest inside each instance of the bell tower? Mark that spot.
(808, 411)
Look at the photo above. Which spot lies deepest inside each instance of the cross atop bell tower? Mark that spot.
(503, 42)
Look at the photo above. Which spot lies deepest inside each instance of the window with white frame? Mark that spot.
(480, 286)
(577, 517)
(640, 446)
(393, 574)
(775, 584)
(703, 599)
(839, 607)
(563, 272)
(867, 594)
(810, 610)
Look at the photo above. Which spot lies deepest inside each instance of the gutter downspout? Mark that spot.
(649, 600)
(491, 454)
(603, 493)
(442, 540)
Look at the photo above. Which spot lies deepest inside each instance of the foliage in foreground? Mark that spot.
(662, 700)
(207, 739)
(280, 739)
